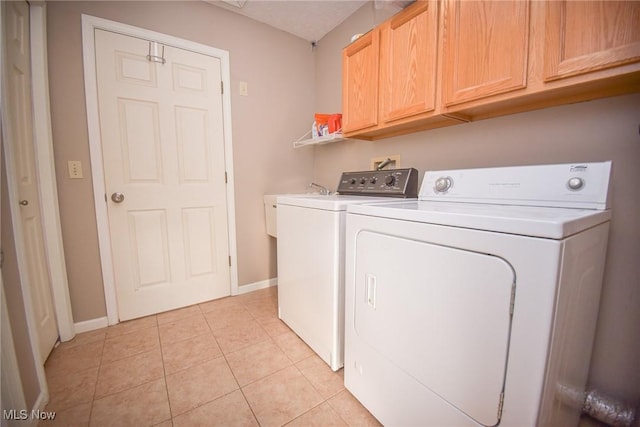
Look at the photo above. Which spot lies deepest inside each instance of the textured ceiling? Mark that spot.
(307, 19)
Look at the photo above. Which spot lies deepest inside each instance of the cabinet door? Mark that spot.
(360, 83)
(408, 51)
(585, 36)
(485, 49)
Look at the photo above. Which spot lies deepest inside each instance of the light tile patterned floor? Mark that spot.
(229, 362)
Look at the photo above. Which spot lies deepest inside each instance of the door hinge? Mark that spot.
(226, 180)
(500, 405)
(222, 87)
(105, 198)
(229, 260)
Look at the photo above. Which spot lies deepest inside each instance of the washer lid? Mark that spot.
(553, 223)
(332, 202)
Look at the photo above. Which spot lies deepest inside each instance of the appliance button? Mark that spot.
(390, 180)
(443, 184)
(575, 183)
(363, 180)
(373, 180)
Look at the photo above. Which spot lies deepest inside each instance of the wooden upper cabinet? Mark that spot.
(360, 83)
(441, 62)
(485, 49)
(586, 36)
(408, 53)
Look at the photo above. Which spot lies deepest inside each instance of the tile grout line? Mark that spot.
(255, 417)
(201, 313)
(336, 409)
(164, 373)
(293, 364)
(223, 355)
(95, 390)
(121, 359)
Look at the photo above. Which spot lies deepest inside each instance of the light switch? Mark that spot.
(75, 169)
(244, 89)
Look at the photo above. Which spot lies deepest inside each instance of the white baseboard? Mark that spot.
(91, 325)
(263, 284)
(103, 322)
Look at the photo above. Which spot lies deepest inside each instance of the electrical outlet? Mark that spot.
(75, 169)
(244, 89)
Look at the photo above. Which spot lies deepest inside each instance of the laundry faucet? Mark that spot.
(323, 190)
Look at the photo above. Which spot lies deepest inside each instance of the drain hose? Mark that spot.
(608, 410)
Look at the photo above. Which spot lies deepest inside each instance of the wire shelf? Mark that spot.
(305, 140)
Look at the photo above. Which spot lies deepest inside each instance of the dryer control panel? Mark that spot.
(390, 183)
(568, 185)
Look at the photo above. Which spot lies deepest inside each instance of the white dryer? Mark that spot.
(477, 304)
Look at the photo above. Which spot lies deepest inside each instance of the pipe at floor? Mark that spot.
(609, 410)
(599, 406)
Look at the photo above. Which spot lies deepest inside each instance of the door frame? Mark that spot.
(43, 141)
(89, 25)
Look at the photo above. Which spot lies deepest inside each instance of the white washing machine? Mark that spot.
(311, 255)
(477, 304)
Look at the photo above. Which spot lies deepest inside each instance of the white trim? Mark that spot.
(91, 325)
(12, 392)
(39, 405)
(93, 120)
(103, 322)
(89, 25)
(255, 286)
(43, 141)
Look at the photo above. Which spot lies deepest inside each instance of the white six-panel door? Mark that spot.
(163, 150)
(22, 173)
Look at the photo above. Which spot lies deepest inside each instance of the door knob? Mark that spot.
(117, 197)
(24, 202)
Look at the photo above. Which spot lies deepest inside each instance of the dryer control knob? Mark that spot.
(390, 180)
(443, 184)
(575, 183)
